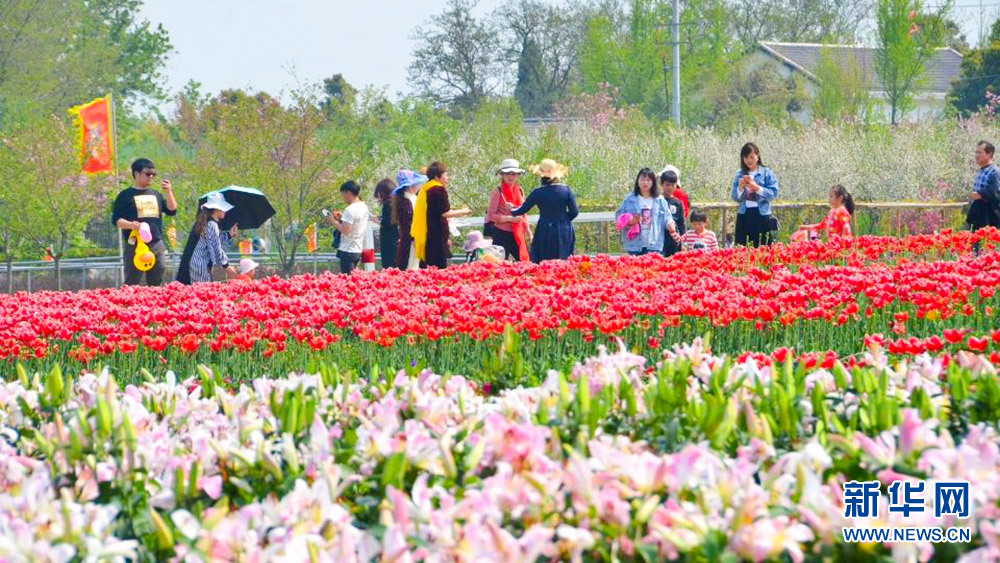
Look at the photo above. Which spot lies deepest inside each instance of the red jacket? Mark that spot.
(682, 196)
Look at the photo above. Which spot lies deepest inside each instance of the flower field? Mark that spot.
(476, 413)
(506, 325)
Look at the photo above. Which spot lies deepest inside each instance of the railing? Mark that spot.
(595, 234)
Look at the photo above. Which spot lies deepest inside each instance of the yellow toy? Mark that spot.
(144, 259)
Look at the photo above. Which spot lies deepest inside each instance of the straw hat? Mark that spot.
(510, 165)
(549, 168)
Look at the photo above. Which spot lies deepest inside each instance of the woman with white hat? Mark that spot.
(209, 251)
(510, 232)
(554, 236)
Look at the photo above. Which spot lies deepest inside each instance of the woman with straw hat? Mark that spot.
(506, 230)
(554, 236)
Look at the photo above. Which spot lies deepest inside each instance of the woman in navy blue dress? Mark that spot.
(554, 237)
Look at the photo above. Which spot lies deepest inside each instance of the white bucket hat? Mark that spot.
(247, 265)
(216, 200)
(510, 165)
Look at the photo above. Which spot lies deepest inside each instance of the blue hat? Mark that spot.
(408, 178)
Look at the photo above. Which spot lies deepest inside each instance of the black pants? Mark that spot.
(348, 261)
(154, 276)
(670, 245)
(752, 228)
(507, 241)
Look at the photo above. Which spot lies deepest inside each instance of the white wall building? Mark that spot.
(802, 59)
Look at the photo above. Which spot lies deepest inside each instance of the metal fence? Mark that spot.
(595, 232)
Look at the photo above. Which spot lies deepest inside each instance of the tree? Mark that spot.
(844, 88)
(340, 95)
(56, 53)
(54, 200)
(543, 41)
(754, 96)
(904, 46)
(626, 51)
(980, 74)
(811, 21)
(255, 141)
(457, 60)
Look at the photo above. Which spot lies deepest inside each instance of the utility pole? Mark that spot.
(677, 62)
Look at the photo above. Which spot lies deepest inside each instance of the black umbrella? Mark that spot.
(250, 207)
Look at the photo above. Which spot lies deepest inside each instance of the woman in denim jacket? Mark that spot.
(754, 187)
(649, 212)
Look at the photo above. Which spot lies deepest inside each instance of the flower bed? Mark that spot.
(698, 457)
(814, 297)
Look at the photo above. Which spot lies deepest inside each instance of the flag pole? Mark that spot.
(114, 167)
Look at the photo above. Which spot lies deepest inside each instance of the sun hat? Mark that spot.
(671, 168)
(549, 168)
(476, 241)
(510, 165)
(406, 179)
(217, 201)
(247, 265)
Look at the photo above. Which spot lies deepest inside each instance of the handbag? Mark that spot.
(772, 223)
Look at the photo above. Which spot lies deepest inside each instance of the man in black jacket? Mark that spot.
(672, 241)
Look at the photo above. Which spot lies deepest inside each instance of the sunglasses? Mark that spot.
(149, 174)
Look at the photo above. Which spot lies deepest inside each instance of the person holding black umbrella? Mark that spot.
(246, 207)
(208, 249)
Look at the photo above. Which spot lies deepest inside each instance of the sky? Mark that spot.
(274, 45)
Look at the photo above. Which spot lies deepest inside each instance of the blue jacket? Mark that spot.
(660, 221)
(767, 180)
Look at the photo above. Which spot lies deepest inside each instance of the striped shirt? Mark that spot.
(209, 252)
(705, 241)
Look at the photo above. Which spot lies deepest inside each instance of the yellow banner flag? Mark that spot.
(311, 244)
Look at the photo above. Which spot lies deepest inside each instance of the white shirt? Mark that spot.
(646, 211)
(357, 216)
(750, 202)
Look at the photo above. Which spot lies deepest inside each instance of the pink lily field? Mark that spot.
(703, 407)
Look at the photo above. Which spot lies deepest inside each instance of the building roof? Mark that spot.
(942, 69)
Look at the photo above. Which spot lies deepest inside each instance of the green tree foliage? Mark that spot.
(339, 95)
(906, 43)
(457, 60)
(809, 21)
(627, 50)
(57, 53)
(543, 41)
(252, 140)
(40, 175)
(844, 90)
(757, 96)
(980, 73)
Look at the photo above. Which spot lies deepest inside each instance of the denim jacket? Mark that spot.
(661, 221)
(767, 180)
